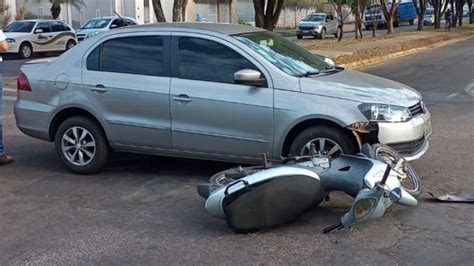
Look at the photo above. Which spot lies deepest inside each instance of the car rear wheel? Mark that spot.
(81, 145)
(70, 44)
(338, 32)
(299, 37)
(328, 142)
(25, 51)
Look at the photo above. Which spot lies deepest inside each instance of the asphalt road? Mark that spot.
(144, 209)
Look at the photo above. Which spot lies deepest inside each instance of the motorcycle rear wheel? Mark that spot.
(408, 177)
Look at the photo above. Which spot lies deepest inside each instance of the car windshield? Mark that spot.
(96, 24)
(17, 26)
(314, 18)
(284, 54)
(429, 12)
(373, 9)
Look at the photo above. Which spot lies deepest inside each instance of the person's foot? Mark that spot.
(5, 160)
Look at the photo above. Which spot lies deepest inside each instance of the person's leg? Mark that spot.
(4, 159)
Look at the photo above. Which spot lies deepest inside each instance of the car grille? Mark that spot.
(417, 109)
(409, 148)
(306, 28)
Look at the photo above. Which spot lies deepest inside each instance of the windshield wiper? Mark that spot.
(332, 69)
(309, 73)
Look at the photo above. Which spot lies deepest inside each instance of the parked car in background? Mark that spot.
(318, 25)
(373, 15)
(210, 91)
(26, 37)
(97, 25)
(429, 19)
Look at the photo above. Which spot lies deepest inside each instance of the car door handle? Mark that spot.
(182, 98)
(99, 88)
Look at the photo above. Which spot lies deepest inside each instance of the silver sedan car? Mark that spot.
(209, 91)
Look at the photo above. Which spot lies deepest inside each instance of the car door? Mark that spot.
(127, 79)
(210, 113)
(60, 36)
(43, 39)
(331, 24)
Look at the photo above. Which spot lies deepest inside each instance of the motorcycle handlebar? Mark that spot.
(332, 227)
(385, 175)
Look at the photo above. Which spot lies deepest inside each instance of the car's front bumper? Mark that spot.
(313, 32)
(409, 138)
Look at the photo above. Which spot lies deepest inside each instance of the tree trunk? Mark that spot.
(183, 10)
(420, 10)
(389, 16)
(178, 7)
(55, 10)
(390, 28)
(420, 22)
(158, 9)
(471, 15)
(267, 18)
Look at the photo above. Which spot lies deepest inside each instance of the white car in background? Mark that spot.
(26, 37)
(97, 25)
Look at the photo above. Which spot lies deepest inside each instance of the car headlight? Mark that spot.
(92, 34)
(363, 207)
(9, 40)
(384, 112)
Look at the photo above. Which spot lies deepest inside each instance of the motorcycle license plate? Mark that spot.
(428, 129)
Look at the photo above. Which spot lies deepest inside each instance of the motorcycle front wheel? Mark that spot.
(406, 173)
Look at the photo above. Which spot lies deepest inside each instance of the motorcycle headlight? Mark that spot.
(385, 112)
(363, 207)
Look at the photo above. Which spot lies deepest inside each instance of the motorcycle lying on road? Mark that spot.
(253, 198)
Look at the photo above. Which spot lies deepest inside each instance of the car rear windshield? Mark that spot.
(24, 26)
(314, 18)
(284, 54)
(96, 24)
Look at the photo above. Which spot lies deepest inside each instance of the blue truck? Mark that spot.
(404, 12)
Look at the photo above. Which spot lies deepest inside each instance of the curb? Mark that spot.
(376, 60)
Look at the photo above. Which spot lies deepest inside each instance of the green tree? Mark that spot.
(56, 5)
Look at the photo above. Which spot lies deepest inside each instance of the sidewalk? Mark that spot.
(353, 53)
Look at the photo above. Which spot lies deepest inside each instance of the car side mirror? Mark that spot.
(113, 26)
(249, 77)
(38, 31)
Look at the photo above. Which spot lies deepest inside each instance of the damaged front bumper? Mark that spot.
(410, 138)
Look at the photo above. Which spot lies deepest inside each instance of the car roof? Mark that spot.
(111, 17)
(39, 20)
(223, 28)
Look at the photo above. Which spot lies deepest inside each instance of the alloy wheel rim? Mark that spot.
(324, 147)
(78, 146)
(26, 51)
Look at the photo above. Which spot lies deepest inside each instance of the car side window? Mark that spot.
(117, 22)
(201, 59)
(57, 26)
(43, 26)
(143, 55)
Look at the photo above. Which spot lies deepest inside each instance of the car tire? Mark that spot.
(70, 44)
(26, 51)
(322, 35)
(338, 33)
(412, 21)
(299, 37)
(71, 139)
(330, 135)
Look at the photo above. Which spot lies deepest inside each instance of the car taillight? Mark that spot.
(22, 83)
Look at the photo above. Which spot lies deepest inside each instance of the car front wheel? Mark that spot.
(25, 51)
(81, 145)
(328, 142)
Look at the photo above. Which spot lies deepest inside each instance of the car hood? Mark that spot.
(87, 31)
(13, 35)
(310, 23)
(361, 87)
